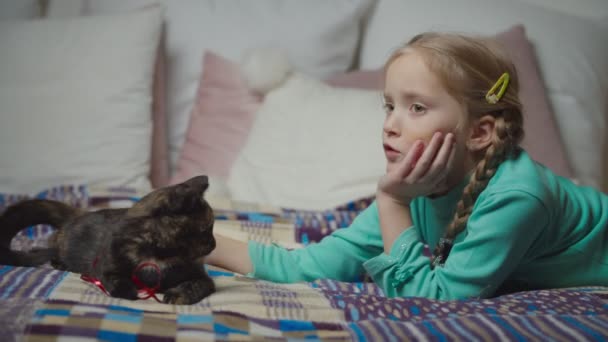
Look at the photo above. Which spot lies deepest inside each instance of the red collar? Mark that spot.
(144, 292)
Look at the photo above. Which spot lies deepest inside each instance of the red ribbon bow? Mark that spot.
(144, 292)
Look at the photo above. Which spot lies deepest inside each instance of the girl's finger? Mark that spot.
(450, 161)
(441, 160)
(423, 164)
(452, 155)
(406, 165)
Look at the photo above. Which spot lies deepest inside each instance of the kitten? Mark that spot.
(161, 241)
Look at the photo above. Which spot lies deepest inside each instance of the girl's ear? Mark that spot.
(481, 133)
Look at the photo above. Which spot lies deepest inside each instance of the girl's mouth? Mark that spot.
(390, 153)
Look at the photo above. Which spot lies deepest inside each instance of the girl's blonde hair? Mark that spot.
(468, 67)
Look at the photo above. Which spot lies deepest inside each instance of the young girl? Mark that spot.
(457, 181)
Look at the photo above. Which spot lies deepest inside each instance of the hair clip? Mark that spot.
(503, 82)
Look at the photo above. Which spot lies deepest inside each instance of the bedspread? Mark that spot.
(46, 304)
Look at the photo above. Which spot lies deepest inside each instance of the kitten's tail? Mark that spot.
(25, 214)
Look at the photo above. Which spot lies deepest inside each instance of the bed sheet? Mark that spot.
(45, 304)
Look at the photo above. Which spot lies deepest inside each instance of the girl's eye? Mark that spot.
(388, 107)
(417, 108)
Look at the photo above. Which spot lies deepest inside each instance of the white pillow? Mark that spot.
(312, 146)
(320, 37)
(573, 56)
(593, 9)
(75, 98)
(21, 9)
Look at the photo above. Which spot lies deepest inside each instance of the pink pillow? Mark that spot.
(542, 140)
(362, 79)
(220, 121)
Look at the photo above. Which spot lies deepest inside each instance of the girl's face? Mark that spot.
(417, 105)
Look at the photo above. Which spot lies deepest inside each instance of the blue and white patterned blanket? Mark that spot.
(46, 304)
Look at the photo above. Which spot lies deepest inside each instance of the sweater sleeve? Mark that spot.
(339, 256)
(499, 232)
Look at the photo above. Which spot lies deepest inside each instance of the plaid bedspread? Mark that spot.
(43, 304)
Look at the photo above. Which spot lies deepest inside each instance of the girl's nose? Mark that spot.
(391, 127)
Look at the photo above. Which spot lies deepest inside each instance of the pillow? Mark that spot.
(74, 111)
(592, 9)
(321, 38)
(312, 146)
(22, 9)
(220, 122)
(572, 54)
(223, 114)
(358, 79)
(159, 153)
(542, 140)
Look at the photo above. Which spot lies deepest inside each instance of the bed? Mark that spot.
(46, 304)
(103, 100)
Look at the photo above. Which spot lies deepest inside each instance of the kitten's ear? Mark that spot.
(177, 199)
(198, 183)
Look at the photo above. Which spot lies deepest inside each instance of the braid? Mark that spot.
(508, 132)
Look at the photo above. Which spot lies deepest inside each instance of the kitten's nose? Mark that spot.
(148, 274)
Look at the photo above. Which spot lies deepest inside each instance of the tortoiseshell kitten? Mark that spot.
(171, 227)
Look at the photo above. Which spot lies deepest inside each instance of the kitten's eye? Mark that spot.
(417, 108)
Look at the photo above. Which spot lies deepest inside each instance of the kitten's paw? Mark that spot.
(58, 265)
(177, 296)
(189, 292)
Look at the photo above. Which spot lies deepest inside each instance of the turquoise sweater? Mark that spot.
(528, 227)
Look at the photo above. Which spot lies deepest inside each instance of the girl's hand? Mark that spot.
(421, 172)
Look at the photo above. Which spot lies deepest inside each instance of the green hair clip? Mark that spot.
(493, 97)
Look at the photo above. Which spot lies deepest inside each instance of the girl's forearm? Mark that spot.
(230, 254)
(395, 217)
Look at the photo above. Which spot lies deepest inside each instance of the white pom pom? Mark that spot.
(265, 68)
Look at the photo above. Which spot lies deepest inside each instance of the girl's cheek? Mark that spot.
(414, 136)
(426, 137)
